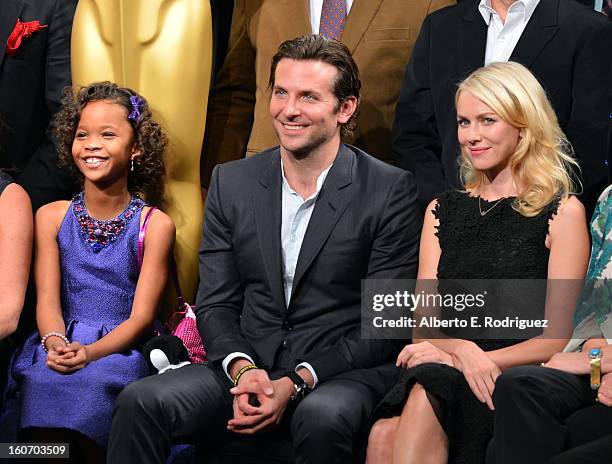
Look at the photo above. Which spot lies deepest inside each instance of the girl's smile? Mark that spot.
(94, 162)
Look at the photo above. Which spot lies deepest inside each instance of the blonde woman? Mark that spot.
(516, 219)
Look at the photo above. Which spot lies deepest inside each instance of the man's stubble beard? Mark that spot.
(312, 147)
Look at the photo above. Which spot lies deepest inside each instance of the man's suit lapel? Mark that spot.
(267, 202)
(328, 209)
(10, 12)
(471, 40)
(358, 21)
(540, 29)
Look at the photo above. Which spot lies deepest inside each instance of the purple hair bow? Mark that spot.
(138, 106)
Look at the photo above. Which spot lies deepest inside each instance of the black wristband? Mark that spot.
(301, 386)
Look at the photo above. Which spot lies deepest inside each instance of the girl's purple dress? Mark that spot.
(99, 269)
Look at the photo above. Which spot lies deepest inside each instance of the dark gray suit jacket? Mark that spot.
(567, 46)
(365, 224)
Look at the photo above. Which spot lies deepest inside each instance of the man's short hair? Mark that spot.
(330, 51)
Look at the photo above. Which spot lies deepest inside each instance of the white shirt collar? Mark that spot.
(320, 180)
(526, 6)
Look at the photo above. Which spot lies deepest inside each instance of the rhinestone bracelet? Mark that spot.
(52, 334)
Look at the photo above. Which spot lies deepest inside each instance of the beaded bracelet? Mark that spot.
(52, 334)
(241, 372)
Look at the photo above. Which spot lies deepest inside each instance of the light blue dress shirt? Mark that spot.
(296, 214)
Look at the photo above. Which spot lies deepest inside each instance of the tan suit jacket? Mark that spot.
(380, 35)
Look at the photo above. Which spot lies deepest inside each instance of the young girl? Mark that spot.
(94, 303)
(516, 219)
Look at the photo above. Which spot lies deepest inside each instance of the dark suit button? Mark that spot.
(286, 326)
(285, 344)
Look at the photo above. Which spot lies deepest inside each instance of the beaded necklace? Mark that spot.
(100, 233)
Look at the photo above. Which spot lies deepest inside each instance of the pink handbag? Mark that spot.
(182, 323)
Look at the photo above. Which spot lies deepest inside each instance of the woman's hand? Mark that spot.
(594, 343)
(421, 353)
(575, 363)
(479, 371)
(604, 395)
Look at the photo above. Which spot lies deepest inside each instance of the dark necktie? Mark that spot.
(333, 15)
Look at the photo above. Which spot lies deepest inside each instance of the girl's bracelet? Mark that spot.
(53, 334)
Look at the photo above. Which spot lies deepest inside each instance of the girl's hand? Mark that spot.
(74, 357)
(574, 363)
(421, 353)
(54, 343)
(479, 371)
(53, 358)
(54, 346)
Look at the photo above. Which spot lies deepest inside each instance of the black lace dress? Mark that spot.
(503, 244)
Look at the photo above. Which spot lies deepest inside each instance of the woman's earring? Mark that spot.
(132, 166)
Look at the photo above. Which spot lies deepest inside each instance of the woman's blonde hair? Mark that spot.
(543, 162)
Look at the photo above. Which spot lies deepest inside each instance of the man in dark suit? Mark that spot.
(32, 78)
(288, 236)
(564, 44)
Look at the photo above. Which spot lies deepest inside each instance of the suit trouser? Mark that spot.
(194, 404)
(595, 452)
(532, 407)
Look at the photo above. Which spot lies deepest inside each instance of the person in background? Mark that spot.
(221, 11)
(379, 33)
(565, 45)
(604, 6)
(34, 70)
